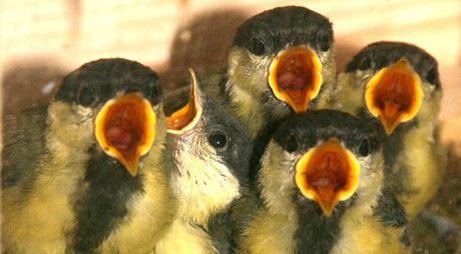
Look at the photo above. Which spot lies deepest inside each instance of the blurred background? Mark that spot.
(42, 40)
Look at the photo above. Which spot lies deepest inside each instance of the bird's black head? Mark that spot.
(282, 57)
(203, 129)
(211, 151)
(384, 53)
(271, 31)
(98, 81)
(228, 138)
(320, 157)
(319, 166)
(303, 132)
(398, 81)
(117, 99)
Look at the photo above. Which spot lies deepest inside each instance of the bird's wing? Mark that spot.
(23, 144)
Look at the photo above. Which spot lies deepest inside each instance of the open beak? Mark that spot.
(327, 174)
(295, 77)
(187, 117)
(125, 129)
(394, 94)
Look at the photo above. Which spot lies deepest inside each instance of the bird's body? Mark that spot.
(63, 192)
(211, 154)
(414, 158)
(301, 214)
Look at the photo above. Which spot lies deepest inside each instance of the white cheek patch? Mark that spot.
(65, 119)
(204, 184)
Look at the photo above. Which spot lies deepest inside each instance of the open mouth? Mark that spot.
(295, 77)
(188, 116)
(125, 129)
(394, 95)
(327, 174)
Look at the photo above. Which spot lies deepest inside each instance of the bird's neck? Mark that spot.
(315, 232)
(196, 182)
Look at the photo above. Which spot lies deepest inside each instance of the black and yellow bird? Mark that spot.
(86, 174)
(211, 153)
(321, 185)
(281, 62)
(396, 86)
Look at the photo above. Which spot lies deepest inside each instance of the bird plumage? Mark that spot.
(70, 196)
(369, 221)
(211, 155)
(415, 160)
(259, 44)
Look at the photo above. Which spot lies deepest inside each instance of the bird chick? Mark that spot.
(281, 62)
(321, 185)
(396, 86)
(211, 153)
(86, 174)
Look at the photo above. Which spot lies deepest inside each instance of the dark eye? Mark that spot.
(431, 76)
(324, 43)
(86, 97)
(256, 47)
(217, 139)
(365, 64)
(324, 46)
(156, 94)
(365, 147)
(292, 144)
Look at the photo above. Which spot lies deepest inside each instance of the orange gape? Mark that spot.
(188, 116)
(125, 129)
(327, 174)
(184, 116)
(295, 77)
(394, 95)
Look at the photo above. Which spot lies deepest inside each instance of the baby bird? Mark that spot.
(281, 62)
(86, 174)
(321, 185)
(211, 153)
(396, 86)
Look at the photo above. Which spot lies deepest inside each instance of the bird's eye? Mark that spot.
(365, 147)
(431, 76)
(324, 42)
(86, 97)
(365, 64)
(256, 47)
(292, 144)
(324, 45)
(156, 93)
(217, 139)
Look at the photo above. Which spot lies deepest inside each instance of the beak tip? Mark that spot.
(133, 171)
(389, 127)
(131, 166)
(327, 211)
